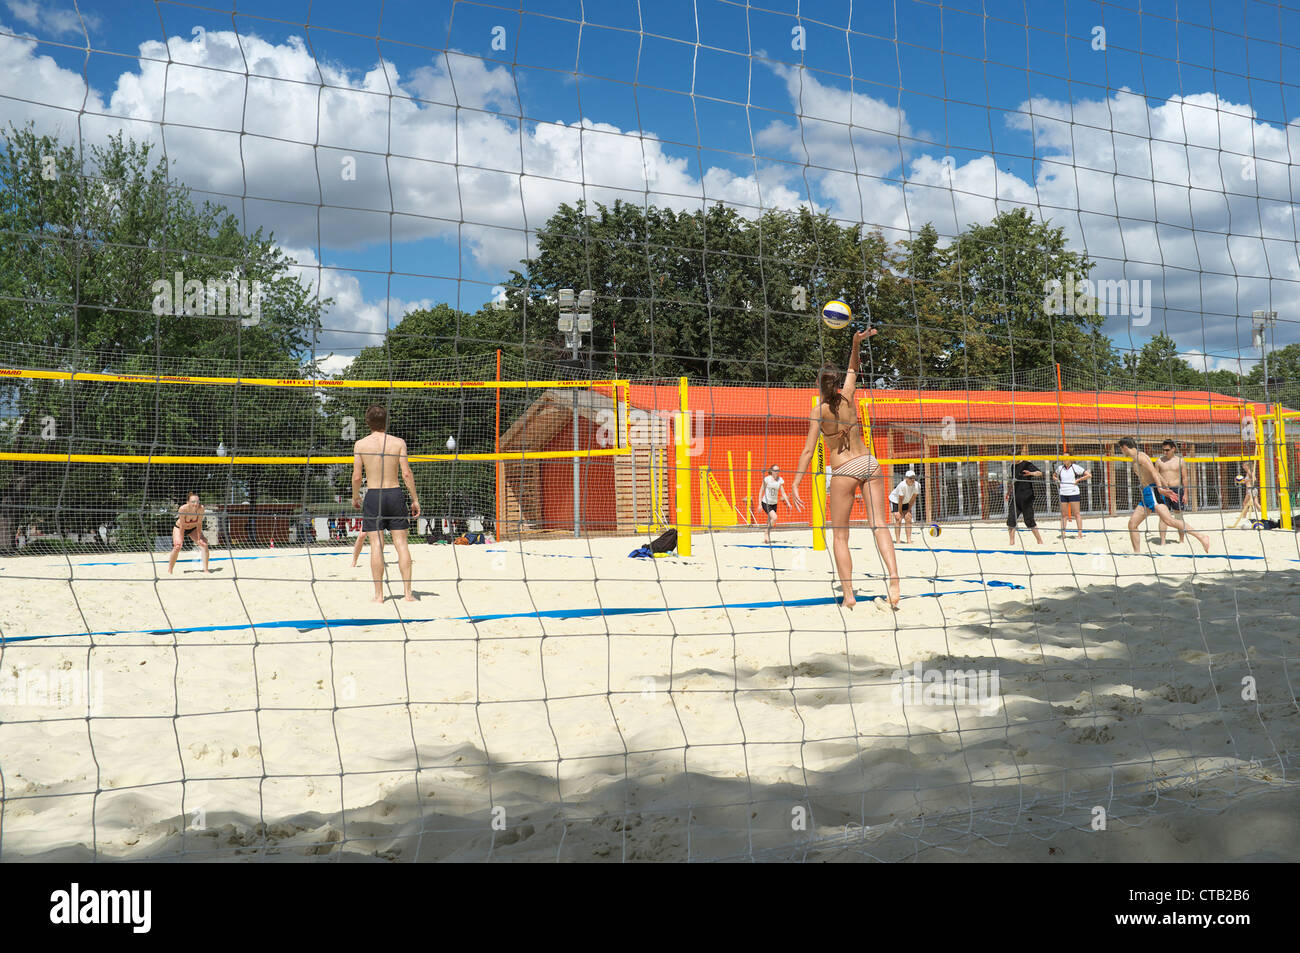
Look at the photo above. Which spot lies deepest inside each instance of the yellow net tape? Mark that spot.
(620, 387)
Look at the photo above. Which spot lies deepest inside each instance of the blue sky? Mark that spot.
(1166, 154)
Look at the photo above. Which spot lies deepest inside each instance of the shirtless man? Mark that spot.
(381, 458)
(1154, 493)
(1170, 468)
(189, 522)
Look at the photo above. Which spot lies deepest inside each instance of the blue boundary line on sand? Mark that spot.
(1066, 552)
(217, 559)
(315, 552)
(990, 583)
(302, 625)
(586, 613)
(309, 625)
(1012, 552)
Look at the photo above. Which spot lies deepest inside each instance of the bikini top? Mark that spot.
(843, 429)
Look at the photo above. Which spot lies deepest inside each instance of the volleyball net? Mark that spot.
(107, 454)
(506, 456)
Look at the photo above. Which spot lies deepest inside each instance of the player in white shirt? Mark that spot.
(901, 498)
(770, 494)
(1068, 476)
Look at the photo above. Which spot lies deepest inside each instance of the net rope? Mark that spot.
(551, 698)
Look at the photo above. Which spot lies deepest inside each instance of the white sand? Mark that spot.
(699, 733)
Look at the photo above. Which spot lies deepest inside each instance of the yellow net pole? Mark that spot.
(731, 480)
(1283, 468)
(1260, 490)
(818, 515)
(656, 505)
(706, 501)
(749, 481)
(683, 461)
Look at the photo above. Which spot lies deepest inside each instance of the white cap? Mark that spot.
(910, 473)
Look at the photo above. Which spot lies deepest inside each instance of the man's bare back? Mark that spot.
(384, 460)
(1145, 470)
(381, 455)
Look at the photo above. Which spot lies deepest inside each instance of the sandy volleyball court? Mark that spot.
(554, 699)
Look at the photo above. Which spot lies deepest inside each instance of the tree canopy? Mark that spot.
(84, 241)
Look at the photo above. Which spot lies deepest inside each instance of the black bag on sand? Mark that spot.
(666, 542)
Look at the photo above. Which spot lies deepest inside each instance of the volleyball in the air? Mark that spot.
(837, 315)
(1240, 478)
(451, 443)
(934, 529)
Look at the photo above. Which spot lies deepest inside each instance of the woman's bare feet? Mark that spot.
(895, 592)
(849, 600)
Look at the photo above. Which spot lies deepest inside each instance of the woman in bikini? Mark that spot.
(189, 522)
(835, 420)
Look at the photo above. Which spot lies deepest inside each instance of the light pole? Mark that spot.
(575, 321)
(1261, 326)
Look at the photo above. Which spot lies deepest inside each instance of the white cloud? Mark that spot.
(281, 132)
(1193, 194)
(352, 322)
(352, 144)
(341, 156)
(1200, 361)
(59, 22)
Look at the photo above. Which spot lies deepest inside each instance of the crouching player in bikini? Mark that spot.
(189, 522)
(835, 419)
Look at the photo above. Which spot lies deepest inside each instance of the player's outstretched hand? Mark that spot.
(798, 500)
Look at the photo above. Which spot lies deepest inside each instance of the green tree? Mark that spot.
(1157, 365)
(996, 281)
(82, 243)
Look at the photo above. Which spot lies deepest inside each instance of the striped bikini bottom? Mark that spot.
(862, 467)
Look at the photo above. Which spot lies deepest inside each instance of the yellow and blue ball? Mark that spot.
(1240, 478)
(934, 529)
(837, 315)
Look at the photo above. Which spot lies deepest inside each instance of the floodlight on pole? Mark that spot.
(1261, 323)
(566, 312)
(574, 322)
